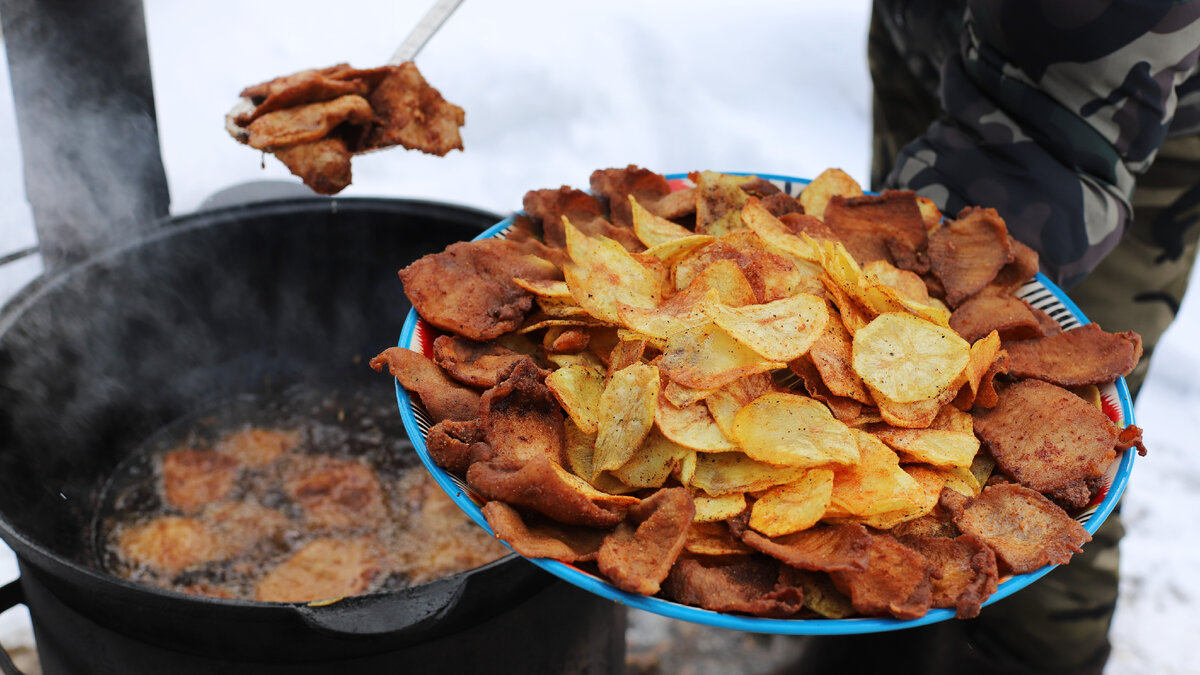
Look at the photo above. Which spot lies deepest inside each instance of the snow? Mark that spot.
(554, 90)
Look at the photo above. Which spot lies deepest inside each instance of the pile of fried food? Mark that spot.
(829, 405)
(315, 120)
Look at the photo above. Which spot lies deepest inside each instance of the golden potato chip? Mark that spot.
(931, 446)
(708, 357)
(538, 322)
(714, 538)
(907, 359)
(626, 415)
(723, 406)
(795, 506)
(556, 309)
(778, 331)
(716, 509)
(546, 288)
(982, 467)
(832, 356)
(579, 450)
(928, 487)
(685, 470)
(929, 213)
(777, 235)
(681, 396)
(597, 496)
(720, 473)
(586, 359)
(652, 464)
(603, 274)
(983, 354)
(915, 415)
(671, 251)
(827, 184)
(953, 419)
(653, 230)
(793, 430)
(853, 316)
(874, 485)
(691, 426)
(907, 284)
(961, 480)
(719, 201)
(578, 389)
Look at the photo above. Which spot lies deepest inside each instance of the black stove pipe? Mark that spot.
(86, 118)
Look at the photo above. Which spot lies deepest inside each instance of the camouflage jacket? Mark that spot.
(1051, 111)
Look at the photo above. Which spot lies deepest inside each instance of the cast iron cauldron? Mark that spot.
(246, 299)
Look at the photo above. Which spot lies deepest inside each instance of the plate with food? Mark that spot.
(762, 403)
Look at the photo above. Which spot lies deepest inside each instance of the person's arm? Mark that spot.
(1050, 114)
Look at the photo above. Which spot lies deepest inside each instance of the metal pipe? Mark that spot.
(85, 113)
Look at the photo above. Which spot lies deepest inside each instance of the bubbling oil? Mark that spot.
(306, 496)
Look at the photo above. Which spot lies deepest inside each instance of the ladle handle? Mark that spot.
(433, 20)
(11, 595)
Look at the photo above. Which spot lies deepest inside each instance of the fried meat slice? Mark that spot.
(586, 212)
(1011, 317)
(967, 253)
(1024, 529)
(614, 186)
(541, 538)
(1045, 437)
(964, 571)
(256, 446)
(449, 443)
(478, 364)
(323, 165)
(822, 547)
(1083, 355)
(308, 123)
(169, 544)
(541, 485)
(803, 223)
(323, 569)
(468, 288)
(737, 583)
(895, 581)
(638, 555)
(309, 86)
(521, 418)
(336, 493)
(242, 525)
(887, 226)
(193, 478)
(1014, 275)
(443, 398)
(413, 114)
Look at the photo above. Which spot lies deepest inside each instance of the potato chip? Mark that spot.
(720, 473)
(545, 288)
(929, 213)
(578, 389)
(586, 359)
(626, 415)
(915, 415)
(982, 467)
(719, 201)
(603, 274)
(983, 354)
(793, 507)
(953, 419)
(723, 406)
(777, 235)
(961, 480)
(579, 450)
(920, 501)
(671, 251)
(708, 357)
(539, 322)
(691, 426)
(793, 430)
(778, 331)
(714, 538)
(653, 230)
(907, 359)
(827, 184)
(652, 464)
(716, 509)
(681, 396)
(931, 446)
(874, 485)
(822, 597)
(685, 470)
(587, 490)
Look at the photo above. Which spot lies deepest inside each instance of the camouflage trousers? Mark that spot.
(1060, 623)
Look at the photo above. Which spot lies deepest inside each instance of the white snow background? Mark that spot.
(554, 90)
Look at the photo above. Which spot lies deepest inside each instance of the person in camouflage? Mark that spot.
(1079, 122)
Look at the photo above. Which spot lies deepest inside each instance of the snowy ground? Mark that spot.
(553, 91)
